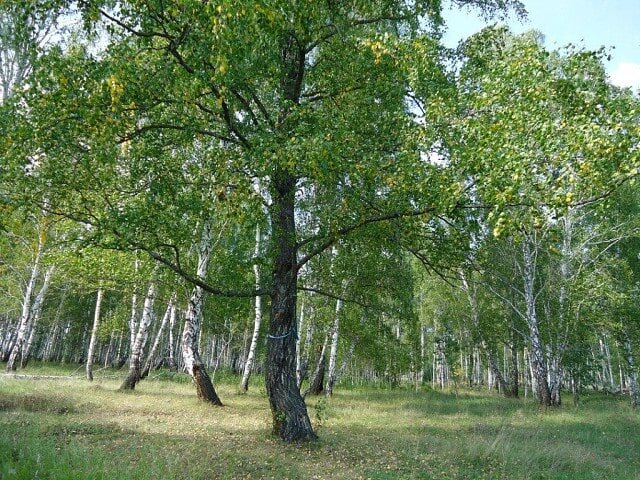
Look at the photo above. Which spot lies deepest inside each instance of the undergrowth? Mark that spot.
(69, 428)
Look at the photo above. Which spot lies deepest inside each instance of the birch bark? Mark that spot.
(25, 315)
(539, 368)
(248, 365)
(94, 335)
(140, 339)
(333, 353)
(34, 316)
(192, 323)
(154, 348)
(634, 393)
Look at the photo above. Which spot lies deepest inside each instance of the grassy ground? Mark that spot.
(71, 429)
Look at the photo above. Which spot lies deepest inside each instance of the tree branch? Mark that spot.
(331, 238)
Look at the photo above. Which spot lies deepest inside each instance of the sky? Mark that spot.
(614, 24)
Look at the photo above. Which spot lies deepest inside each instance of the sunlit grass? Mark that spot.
(70, 428)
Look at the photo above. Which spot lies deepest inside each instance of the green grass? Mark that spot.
(72, 429)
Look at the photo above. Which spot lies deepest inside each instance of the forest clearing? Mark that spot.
(69, 428)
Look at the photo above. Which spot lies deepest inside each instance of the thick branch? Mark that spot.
(333, 296)
(196, 281)
(333, 237)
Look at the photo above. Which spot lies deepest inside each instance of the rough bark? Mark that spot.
(191, 330)
(257, 321)
(94, 335)
(135, 359)
(290, 418)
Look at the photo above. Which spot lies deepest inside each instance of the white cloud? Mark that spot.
(626, 75)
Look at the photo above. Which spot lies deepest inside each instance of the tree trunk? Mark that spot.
(94, 335)
(633, 373)
(171, 362)
(423, 351)
(135, 359)
(308, 342)
(539, 368)
(290, 418)
(299, 346)
(333, 353)
(248, 365)
(34, 315)
(154, 348)
(191, 331)
(472, 296)
(496, 374)
(23, 325)
(316, 384)
(514, 383)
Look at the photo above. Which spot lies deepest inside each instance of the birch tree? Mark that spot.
(137, 347)
(192, 323)
(248, 365)
(94, 334)
(27, 299)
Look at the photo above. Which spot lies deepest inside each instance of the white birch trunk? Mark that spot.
(539, 367)
(308, 342)
(299, 346)
(35, 314)
(634, 393)
(333, 353)
(193, 318)
(172, 322)
(94, 335)
(316, 383)
(140, 339)
(154, 348)
(248, 365)
(25, 314)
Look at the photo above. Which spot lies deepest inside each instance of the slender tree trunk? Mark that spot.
(539, 367)
(248, 365)
(299, 346)
(94, 335)
(515, 371)
(333, 353)
(25, 315)
(192, 322)
(472, 296)
(135, 359)
(423, 351)
(35, 314)
(173, 366)
(634, 393)
(308, 342)
(133, 317)
(154, 348)
(316, 383)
